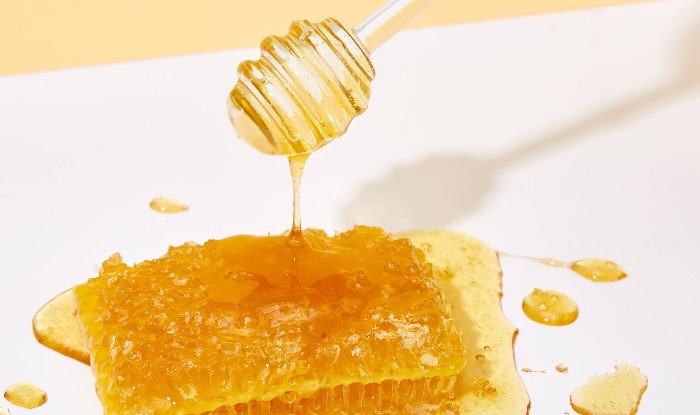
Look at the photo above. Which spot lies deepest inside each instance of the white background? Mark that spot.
(570, 135)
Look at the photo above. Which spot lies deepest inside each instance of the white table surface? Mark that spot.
(570, 135)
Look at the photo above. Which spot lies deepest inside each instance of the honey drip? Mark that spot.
(550, 307)
(599, 270)
(167, 205)
(617, 393)
(26, 395)
(561, 368)
(594, 269)
(296, 168)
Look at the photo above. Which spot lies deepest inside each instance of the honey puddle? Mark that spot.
(26, 395)
(550, 307)
(167, 205)
(617, 393)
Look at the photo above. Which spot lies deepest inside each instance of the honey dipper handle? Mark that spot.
(383, 24)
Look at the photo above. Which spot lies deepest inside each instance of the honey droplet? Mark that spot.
(26, 395)
(480, 357)
(483, 388)
(4, 411)
(599, 270)
(528, 370)
(550, 307)
(167, 205)
(619, 392)
(487, 348)
(561, 368)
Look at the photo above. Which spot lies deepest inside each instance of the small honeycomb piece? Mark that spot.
(353, 323)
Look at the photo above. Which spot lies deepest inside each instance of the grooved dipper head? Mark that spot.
(304, 89)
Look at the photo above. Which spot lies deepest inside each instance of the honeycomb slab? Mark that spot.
(353, 323)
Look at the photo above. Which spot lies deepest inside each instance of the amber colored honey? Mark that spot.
(617, 393)
(247, 322)
(296, 169)
(528, 370)
(599, 270)
(594, 269)
(561, 368)
(483, 389)
(26, 395)
(162, 204)
(550, 307)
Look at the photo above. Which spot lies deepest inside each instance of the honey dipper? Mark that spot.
(309, 84)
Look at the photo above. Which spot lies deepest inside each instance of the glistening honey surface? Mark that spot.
(550, 307)
(253, 319)
(469, 276)
(304, 90)
(599, 270)
(617, 393)
(162, 204)
(26, 395)
(594, 269)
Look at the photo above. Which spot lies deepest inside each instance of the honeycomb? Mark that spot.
(351, 323)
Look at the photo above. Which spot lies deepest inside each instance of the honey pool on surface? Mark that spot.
(617, 393)
(26, 395)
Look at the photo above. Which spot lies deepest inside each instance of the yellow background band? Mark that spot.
(38, 35)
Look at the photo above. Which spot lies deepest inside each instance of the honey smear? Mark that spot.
(617, 393)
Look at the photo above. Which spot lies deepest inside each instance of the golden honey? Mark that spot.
(617, 393)
(550, 307)
(304, 90)
(472, 264)
(599, 270)
(26, 395)
(561, 368)
(252, 325)
(167, 205)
